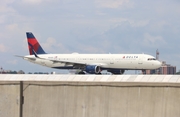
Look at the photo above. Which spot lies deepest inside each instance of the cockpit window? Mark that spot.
(149, 59)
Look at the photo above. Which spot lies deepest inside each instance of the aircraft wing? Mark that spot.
(67, 62)
(77, 64)
(54, 61)
(72, 62)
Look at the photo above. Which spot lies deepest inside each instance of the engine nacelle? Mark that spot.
(92, 69)
(116, 71)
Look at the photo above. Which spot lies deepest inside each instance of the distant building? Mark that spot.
(167, 69)
(164, 69)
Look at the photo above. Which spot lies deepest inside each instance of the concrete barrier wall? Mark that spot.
(118, 96)
(9, 100)
(77, 100)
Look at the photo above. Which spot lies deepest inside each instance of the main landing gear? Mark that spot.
(83, 73)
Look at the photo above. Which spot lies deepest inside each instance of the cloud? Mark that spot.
(14, 62)
(2, 19)
(6, 10)
(49, 43)
(153, 41)
(127, 26)
(91, 49)
(52, 45)
(3, 48)
(37, 2)
(32, 1)
(111, 3)
(12, 27)
(140, 23)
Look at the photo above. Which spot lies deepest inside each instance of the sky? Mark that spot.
(89, 26)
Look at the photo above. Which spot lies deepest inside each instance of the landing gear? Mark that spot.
(99, 73)
(81, 72)
(143, 71)
(116, 71)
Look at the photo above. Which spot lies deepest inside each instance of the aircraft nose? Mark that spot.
(159, 64)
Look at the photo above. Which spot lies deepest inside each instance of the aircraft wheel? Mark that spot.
(81, 72)
(99, 73)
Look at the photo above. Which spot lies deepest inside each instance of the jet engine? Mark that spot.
(116, 71)
(93, 69)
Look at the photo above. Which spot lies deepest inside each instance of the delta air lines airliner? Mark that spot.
(89, 63)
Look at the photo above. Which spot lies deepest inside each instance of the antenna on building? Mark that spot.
(157, 58)
(157, 54)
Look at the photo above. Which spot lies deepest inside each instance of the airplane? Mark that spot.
(89, 63)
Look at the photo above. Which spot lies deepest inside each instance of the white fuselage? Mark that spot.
(105, 61)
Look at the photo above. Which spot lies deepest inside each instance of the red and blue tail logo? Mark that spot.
(34, 45)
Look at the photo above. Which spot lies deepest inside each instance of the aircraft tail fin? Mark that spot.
(34, 45)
